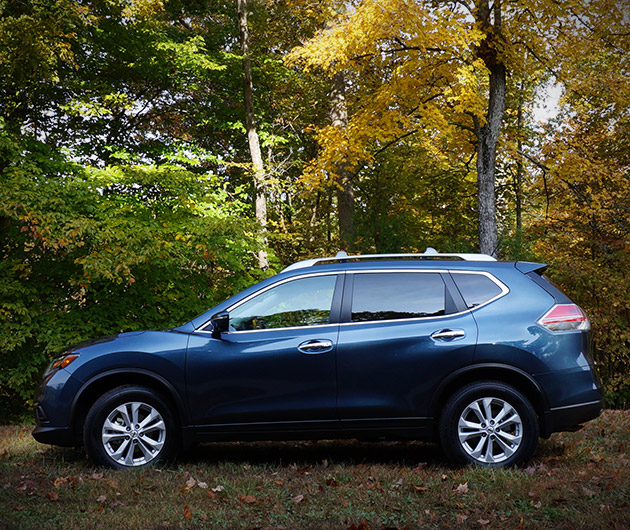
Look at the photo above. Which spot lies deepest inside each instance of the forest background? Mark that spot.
(157, 156)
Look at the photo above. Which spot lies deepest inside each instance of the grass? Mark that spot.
(575, 480)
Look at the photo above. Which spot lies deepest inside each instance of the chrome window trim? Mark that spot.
(504, 290)
(201, 329)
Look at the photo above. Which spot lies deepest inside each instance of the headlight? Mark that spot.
(61, 362)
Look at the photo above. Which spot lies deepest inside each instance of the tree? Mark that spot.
(250, 125)
(434, 70)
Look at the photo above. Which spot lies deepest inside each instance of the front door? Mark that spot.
(275, 368)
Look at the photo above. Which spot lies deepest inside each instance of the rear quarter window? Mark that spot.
(476, 289)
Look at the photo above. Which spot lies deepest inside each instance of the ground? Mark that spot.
(575, 480)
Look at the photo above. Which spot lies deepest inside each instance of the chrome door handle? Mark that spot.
(316, 346)
(448, 334)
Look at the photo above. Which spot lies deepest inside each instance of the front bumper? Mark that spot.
(52, 409)
(62, 436)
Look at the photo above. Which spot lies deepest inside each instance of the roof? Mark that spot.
(428, 254)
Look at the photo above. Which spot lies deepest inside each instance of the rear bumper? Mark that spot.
(570, 417)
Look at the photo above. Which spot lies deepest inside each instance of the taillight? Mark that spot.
(565, 317)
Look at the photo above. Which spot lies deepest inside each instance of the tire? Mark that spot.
(130, 427)
(471, 434)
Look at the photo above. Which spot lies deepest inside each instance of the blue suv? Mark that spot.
(480, 355)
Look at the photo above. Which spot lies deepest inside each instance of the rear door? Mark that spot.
(402, 332)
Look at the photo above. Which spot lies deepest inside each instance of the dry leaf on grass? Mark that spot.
(52, 495)
(248, 499)
(462, 488)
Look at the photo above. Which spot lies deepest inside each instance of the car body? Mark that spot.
(480, 355)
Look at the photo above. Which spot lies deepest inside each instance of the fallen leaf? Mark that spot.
(190, 483)
(419, 488)
(187, 512)
(96, 476)
(362, 526)
(218, 489)
(52, 495)
(530, 470)
(297, 499)
(211, 494)
(248, 499)
(462, 488)
(202, 485)
(397, 484)
(484, 522)
(101, 498)
(535, 504)
(461, 519)
(330, 481)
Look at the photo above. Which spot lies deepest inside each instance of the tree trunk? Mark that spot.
(488, 135)
(519, 169)
(252, 134)
(345, 192)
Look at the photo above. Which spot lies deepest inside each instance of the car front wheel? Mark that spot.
(490, 424)
(130, 426)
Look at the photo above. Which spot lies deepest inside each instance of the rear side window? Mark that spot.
(476, 288)
(393, 296)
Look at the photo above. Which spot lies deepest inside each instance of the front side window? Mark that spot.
(301, 302)
(397, 295)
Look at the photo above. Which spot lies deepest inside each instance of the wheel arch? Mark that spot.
(103, 382)
(503, 373)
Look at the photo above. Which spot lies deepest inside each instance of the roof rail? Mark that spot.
(428, 253)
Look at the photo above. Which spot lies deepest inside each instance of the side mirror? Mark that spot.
(220, 324)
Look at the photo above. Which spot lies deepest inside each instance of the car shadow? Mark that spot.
(311, 453)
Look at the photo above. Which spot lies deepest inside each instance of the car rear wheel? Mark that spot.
(130, 427)
(490, 424)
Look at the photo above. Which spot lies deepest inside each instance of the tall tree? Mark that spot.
(250, 126)
(345, 191)
(488, 18)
